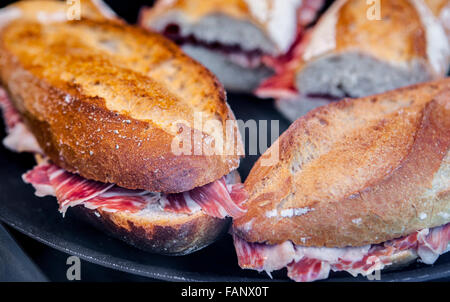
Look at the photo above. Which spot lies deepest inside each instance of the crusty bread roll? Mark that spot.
(48, 11)
(222, 34)
(349, 55)
(117, 131)
(356, 172)
(101, 97)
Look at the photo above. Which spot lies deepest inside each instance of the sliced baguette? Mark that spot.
(269, 26)
(257, 27)
(356, 172)
(106, 100)
(349, 55)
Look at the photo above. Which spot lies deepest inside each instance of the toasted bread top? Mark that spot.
(47, 11)
(407, 31)
(356, 172)
(106, 100)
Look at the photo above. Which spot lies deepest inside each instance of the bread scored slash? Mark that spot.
(106, 101)
(355, 178)
(360, 56)
(233, 38)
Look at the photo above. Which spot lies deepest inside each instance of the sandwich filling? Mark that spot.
(221, 198)
(305, 264)
(254, 58)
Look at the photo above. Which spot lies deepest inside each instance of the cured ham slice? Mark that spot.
(308, 269)
(19, 138)
(72, 190)
(311, 263)
(216, 199)
(282, 84)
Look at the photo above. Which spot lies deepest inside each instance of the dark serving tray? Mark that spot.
(39, 219)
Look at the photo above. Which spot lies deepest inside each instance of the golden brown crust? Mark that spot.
(174, 237)
(108, 99)
(197, 9)
(46, 10)
(399, 37)
(357, 172)
(405, 35)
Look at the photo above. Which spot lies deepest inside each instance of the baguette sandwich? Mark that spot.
(233, 38)
(350, 53)
(361, 185)
(101, 104)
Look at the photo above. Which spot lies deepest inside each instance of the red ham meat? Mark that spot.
(308, 269)
(311, 263)
(19, 138)
(282, 84)
(216, 199)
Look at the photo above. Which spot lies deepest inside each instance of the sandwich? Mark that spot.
(234, 39)
(361, 185)
(350, 53)
(106, 107)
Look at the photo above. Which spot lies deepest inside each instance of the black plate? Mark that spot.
(39, 219)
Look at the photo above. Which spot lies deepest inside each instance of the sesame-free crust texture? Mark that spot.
(167, 234)
(356, 172)
(107, 100)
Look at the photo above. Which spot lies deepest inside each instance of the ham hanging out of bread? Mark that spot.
(18, 137)
(306, 264)
(218, 199)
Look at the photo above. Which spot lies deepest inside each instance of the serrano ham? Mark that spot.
(216, 199)
(19, 138)
(310, 263)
